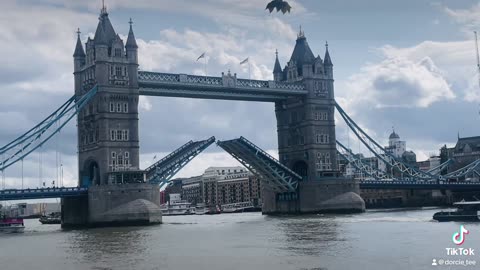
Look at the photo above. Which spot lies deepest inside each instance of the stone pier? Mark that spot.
(113, 205)
(336, 195)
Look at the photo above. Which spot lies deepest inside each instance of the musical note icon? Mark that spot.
(459, 237)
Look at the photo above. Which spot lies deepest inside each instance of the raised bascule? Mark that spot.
(114, 190)
(108, 142)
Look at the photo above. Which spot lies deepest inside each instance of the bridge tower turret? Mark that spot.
(108, 126)
(306, 127)
(79, 58)
(277, 70)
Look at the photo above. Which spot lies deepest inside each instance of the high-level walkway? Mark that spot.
(227, 87)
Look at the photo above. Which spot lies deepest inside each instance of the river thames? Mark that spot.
(377, 239)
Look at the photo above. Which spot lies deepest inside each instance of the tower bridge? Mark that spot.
(113, 189)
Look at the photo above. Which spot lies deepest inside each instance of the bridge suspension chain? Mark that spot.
(356, 162)
(381, 153)
(37, 136)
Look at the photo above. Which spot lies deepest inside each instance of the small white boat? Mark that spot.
(176, 206)
(237, 207)
(201, 209)
(11, 225)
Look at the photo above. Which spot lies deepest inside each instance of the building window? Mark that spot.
(127, 158)
(323, 162)
(113, 134)
(119, 135)
(112, 107)
(120, 160)
(321, 138)
(118, 71)
(125, 107)
(125, 135)
(114, 158)
(118, 52)
(119, 107)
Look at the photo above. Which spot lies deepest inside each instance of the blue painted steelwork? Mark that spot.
(31, 140)
(377, 174)
(371, 172)
(227, 87)
(164, 169)
(425, 185)
(272, 173)
(469, 169)
(42, 193)
(441, 167)
(381, 154)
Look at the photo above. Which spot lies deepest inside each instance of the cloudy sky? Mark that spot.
(407, 64)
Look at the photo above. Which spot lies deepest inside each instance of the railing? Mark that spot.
(258, 149)
(42, 193)
(155, 76)
(289, 86)
(204, 80)
(252, 83)
(152, 77)
(181, 148)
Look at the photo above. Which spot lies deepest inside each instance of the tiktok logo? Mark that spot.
(459, 237)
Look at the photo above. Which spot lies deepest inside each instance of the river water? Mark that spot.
(377, 239)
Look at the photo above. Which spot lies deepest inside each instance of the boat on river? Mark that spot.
(466, 211)
(176, 206)
(52, 218)
(11, 225)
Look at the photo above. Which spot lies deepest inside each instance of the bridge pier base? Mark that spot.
(113, 205)
(74, 211)
(336, 195)
(127, 204)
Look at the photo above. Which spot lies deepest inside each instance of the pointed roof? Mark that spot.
(277, 68)
(105, 32)
(302, 54)
(328, 61)
(131, 42)
(79, 52)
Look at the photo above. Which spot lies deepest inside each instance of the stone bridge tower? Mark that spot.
(306, 126)
(306, 139)
(108, 142)
(108, 127)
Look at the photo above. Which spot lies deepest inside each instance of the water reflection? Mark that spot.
(310, 235)
(105, 246)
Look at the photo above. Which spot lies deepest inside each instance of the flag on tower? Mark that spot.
(201, 56)
(244, 61)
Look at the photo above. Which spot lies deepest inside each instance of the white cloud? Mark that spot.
(417, 89)
(469, 19)
(398, 82)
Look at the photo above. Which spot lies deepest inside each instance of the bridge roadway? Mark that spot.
(41, 193)
(453, 186)
(45, 193)
(226, 87)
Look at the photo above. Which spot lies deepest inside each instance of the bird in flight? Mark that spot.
(280, 5)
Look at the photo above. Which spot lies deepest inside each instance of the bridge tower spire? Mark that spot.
(277, 70)
(79, 58)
